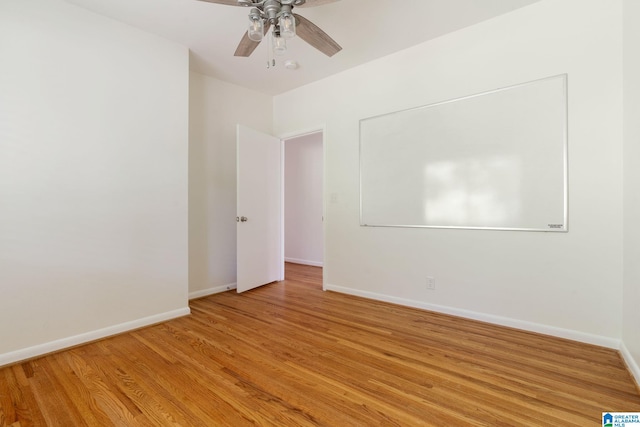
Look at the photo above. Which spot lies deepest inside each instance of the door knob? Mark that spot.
(243, 219)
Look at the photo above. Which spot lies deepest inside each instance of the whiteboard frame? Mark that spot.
(565, 161)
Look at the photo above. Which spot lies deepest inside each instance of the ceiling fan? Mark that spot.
(277, 14)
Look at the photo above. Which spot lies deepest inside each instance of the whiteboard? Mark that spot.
(494, 160)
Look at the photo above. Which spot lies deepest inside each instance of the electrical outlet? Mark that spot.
(431, 283)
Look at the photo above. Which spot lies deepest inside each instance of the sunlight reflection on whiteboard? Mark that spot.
(475, 191)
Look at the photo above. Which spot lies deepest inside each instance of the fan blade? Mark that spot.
(312, 3)
(227, 2)
(312, 34)
(247, 46)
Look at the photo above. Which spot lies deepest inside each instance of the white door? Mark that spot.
(259, 252)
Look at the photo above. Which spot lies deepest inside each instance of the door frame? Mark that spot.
(283, 138)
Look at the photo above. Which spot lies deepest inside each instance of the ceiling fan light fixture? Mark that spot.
(279, 44)
(287, 24)
(256, 26)
(278, 16)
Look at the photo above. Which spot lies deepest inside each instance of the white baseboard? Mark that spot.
(304, 262)
(210, 291)
(53, 346)
(631, 363)
(489, 318)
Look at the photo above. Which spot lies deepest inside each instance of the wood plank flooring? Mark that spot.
(289, 354)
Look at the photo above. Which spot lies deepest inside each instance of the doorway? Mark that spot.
(303, 201)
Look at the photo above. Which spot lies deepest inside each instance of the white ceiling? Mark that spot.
(366, 30)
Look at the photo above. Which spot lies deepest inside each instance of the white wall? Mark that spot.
(215, 109)
(303, 175)
(566, 284)
(631, 297)
(93, 177)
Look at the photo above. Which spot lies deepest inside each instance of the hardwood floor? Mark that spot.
(289, 354)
